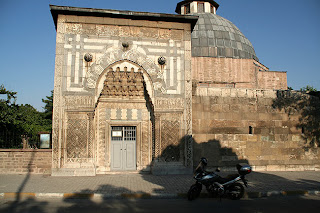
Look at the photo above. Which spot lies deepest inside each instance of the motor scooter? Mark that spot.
(217, 185)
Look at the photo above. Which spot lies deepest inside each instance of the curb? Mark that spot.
(281, 193)
(12, 195)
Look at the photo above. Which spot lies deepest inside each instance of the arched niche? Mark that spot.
(132, 58)
(129, 66)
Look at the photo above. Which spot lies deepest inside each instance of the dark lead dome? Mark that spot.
(215, 36)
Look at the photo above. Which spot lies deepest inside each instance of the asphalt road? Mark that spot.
(261, 205)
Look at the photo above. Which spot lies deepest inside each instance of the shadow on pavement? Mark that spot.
(82, 201)
(25, 205)
(257, 180)
(266, 182)
(173, 184)
(291, 204)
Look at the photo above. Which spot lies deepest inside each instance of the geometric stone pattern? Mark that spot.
(76, 140)
(188, 122)
(81, 74)
(124, 114)
(170, 143)
(116, 54)
(79, 143)
(157, 136)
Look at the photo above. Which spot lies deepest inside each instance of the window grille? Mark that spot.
(120, 133)
(187, 8)
(200, 7)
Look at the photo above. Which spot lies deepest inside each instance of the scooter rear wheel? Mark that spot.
(236, 191)
(194, 191)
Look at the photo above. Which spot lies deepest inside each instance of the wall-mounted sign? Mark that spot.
(116, 133)
(44, 141)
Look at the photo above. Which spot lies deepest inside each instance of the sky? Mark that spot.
(285, 35)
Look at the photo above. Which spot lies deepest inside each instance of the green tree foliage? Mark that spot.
(290, 88)
(7, 108)
(10, 95)
(17, 120)
(48, 108)
(308, 88)
(307, 106)
(32, 122)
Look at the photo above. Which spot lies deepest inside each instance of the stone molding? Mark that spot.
(113, 56)
(235, 92)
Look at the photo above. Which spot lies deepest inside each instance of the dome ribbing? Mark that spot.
(215, 36)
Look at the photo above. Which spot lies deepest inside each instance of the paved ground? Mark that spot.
(281, 204)
(260, 184)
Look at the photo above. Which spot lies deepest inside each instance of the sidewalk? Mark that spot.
(146, 185)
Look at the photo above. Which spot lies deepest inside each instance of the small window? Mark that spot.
(250, 130)
(200, 7)
(212, 9)
(187, 8)
(302, 130)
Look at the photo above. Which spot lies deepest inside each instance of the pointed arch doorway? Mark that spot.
(124, 118)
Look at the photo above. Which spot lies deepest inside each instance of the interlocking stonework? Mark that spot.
(170, 135)
(166, 103)
(79, 136)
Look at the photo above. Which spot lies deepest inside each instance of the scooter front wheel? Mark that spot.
(194, 191)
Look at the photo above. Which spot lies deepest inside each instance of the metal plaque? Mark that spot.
(116, 133)
(44, 141)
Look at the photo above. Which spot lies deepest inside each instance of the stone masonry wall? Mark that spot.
(16, 161)
(241, 125)
(272, 79)
(236, 73)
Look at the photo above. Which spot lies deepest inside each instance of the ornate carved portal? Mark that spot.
(123, 102)
(124, 99)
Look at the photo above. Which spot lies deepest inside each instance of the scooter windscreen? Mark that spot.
(200, 168)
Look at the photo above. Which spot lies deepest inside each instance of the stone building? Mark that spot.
(150, 92)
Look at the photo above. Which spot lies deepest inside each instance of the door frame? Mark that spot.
(108, 140)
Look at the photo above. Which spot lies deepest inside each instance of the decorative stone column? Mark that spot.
(157, 136)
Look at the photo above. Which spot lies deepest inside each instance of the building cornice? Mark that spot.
(77, 11)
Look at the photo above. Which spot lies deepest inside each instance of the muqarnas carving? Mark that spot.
(123, 84)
